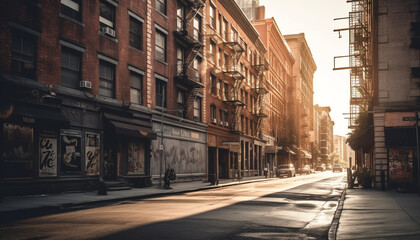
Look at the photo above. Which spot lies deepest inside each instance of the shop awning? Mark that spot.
(305, 154)
(272, 149)
(287, 150)
(400, 136)
(133, 130)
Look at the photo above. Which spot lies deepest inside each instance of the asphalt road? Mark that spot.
(293, 208)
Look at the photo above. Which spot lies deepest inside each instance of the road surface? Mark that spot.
(292, 208)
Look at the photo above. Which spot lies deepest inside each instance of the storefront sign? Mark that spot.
(136, 157)
(92, 154)
(71, 160)
(47, 154)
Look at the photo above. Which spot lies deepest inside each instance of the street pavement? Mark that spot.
(375, 214)
(362, 213)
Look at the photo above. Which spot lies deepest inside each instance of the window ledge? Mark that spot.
(71, 20)
(136, 49)
(165, 63)
(110, 38)
(162, 14)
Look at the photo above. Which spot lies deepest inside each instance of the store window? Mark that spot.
(18, 151)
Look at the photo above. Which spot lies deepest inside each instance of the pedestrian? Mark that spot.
(169, 176)
(265, 171)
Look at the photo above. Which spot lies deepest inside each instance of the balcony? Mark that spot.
(260, 64)
(188, 75)
(261, 113)
(188, 35)
(236, 101)
(234, 73)
(236, 43)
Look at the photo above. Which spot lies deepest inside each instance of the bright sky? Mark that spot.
(315, 18)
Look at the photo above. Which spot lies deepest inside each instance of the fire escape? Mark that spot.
(260, 66)
(233, 71)
(189, 35)
(360, 61)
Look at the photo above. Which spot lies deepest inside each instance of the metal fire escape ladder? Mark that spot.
(260, 67)
(359, 60)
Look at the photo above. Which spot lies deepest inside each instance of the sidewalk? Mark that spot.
(26, 206)
(375, 214)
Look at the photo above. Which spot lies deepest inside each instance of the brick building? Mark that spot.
(85, 86)
(279, 77)
(301, 97)
(234, 89)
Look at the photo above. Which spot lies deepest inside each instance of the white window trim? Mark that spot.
(71, 4)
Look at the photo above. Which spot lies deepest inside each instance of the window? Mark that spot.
(136, 29)
(226, 59)
(160, 53)
(213, 16)
(220, 116)
(224, 29)
(179, 60)
(213, 84)
(213, 51)
(106, 15)
(106, 79)
(181, 102)
(197, 109)
(220, 88)
(23, 54)
(70, 67)
(213, 114)
(160, 93)
(197, 29)
(71, 8)
(225, 91)
(136, 83)
(219, 56)
(226, 118)
(161, 6)
(180, 15)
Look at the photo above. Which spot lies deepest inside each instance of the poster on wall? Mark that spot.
(135, 159)
(401, 165)
(47, 154)
(18, 151)
(92, 154)
(71, 160)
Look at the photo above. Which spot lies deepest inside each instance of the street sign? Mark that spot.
(411, 119)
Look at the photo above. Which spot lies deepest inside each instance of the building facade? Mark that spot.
(235, 89)
(279, 77)
(83, 99)
(326, 134)
(301, 98)
(345, 153)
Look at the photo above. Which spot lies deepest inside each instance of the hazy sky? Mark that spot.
(315, 18)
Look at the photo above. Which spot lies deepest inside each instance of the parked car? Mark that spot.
(305, 169)
(287, 170)
(337, 168)
(320, 167)
(329, 167)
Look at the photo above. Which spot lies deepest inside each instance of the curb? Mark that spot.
(65, 207)
(332, 232)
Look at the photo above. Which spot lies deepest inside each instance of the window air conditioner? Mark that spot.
(226, 124)
(213, 120)
(108, 31)
(221, 123)
(85, 84)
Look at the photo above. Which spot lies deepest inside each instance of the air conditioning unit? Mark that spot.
(226, 124)
(213, 120)
(221, 123)
(108, 31)
(85, 84)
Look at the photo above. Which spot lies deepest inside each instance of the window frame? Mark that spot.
(103, 63)
(103, 20)
(197, 109)
(161, 6)
(163, 48)
(139, 90)
(132, 34)
(68, 69)
(20, 57)
(71, 9)
(161, 90)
